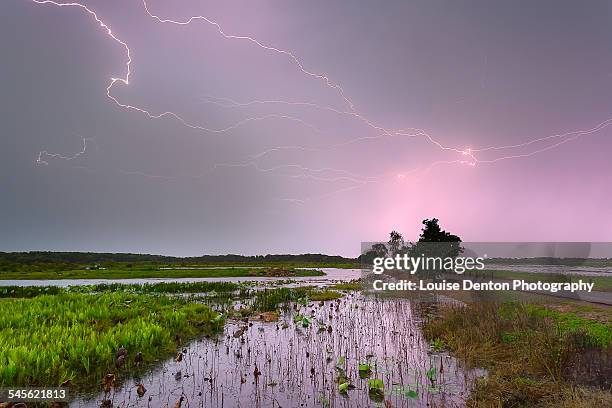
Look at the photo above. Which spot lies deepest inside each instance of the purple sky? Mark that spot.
(301, 170)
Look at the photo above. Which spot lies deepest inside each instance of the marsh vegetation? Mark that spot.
(48, 340)
(148, 272)
(550, 356)
(283, 348)
(288, 343)
(221, 344)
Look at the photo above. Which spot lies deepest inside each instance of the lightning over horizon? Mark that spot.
(335, 112)
(468, 152)
(210, 202)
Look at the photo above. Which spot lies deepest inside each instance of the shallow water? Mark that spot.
(300, 365)
(331, 274)
(562, 269)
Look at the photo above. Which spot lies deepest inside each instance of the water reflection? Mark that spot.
(297, 363)
(331, 274)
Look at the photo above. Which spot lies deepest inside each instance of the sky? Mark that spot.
(288, 126)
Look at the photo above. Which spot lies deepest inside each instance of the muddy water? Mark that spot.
(298, 365)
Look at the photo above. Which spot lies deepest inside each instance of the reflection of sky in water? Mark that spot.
(299, 365)
(332, 274)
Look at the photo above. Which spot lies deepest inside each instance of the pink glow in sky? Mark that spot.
(285, 126)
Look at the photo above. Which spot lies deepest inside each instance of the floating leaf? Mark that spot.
(376, 384)
(364, 370)
(341, 361)
(403, 391)
(376, 389)
(431, 373)
(343, 388)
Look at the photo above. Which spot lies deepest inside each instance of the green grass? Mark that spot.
(29, 291)
(268, 300)
(602, 283)
(133, 273)
(286, 265)
(323, 295)
(596, 333)
(352, 285)
(594, 262)
(160, 287)
(532, 354)
(51, 338)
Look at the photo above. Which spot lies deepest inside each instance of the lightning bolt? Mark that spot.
(381, 131)
(258, 43)
(471, 155)
(307, 172)
(125, 80)
(40, 160)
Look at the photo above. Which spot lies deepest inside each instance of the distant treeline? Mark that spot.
(55, 260)
(58, 261)
(79, 257)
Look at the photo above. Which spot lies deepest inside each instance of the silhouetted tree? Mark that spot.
(396, 242)
(378, 250)
(434, 242)
(433, 233)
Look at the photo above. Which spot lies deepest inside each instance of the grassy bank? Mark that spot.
(48, 339)
(592, 262)
(356, 284)
(132, 273)
(602, 283)
(535, 356)
(160, 287)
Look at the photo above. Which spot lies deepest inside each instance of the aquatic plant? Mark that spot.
(323, 295)
(437, 344)
(48, 339)
(143, 272)
(28, 291)
(343, 387)
(364, 370)
(376, 389)
(352, 285)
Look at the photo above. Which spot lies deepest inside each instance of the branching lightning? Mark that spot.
(252, 40)
(125, 80)
(40, 160)
(469, 156)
